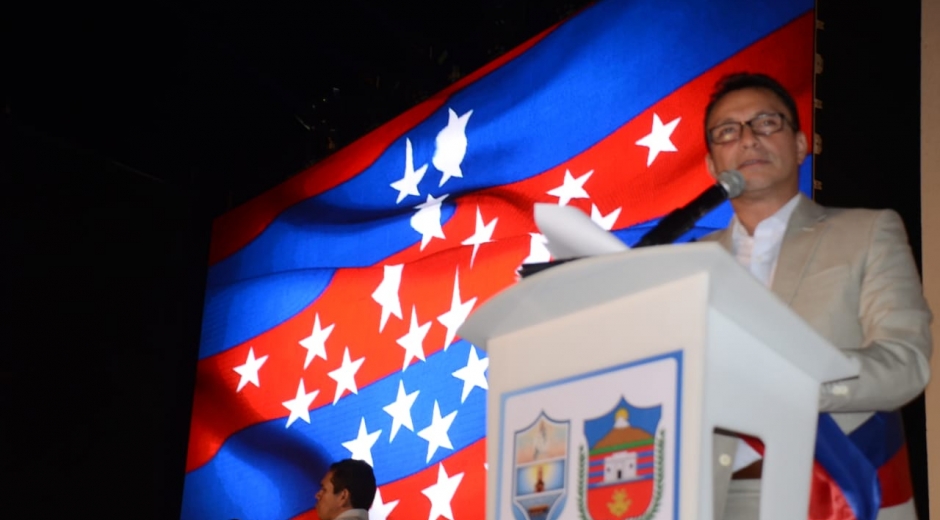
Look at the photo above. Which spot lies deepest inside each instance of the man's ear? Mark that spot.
(344, 498)
(801, 147)
(710, 163)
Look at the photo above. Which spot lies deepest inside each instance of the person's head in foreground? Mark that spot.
(349, 484)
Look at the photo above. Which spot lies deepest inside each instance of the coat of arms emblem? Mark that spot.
(540, 470)
(621, 473)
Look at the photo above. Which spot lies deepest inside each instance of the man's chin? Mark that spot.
(767, 191)
(762, 178)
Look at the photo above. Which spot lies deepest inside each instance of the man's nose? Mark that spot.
(748, 137)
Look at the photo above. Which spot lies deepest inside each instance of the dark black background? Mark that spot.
(127, 128)
(870, 129)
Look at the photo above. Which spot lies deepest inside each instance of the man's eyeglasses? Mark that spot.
(764, 124)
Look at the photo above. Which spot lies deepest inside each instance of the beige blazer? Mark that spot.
(851, 275)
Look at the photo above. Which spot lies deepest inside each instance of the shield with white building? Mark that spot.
(624, 463)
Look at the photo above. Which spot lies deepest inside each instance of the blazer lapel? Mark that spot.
(805, 229)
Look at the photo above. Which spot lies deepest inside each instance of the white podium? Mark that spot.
(608, 376)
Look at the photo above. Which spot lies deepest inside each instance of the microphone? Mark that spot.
(730, 184)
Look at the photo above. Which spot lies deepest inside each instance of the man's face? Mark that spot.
(770, 163)
(330, 504)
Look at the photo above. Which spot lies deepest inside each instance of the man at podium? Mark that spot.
(849, 273)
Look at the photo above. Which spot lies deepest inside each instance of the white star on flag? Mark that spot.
(299, 406)
(408, 185)
(474, 374)
(451, 145)
(538, 250)
(249, 371)
(345, 376)
(605, 221)
(386, 294)
(571, 188)
(361, 446)
(436, 433)
(413, 341)
(482, 234)
(380, 510)
(315, 343)
(400, 410)
(457, 314)
(427, 220)
(441, 494)
(658, 139)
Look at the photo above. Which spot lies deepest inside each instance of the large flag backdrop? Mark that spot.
(333, 299)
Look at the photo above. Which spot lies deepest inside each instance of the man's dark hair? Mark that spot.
(358, 478)
(746, 80)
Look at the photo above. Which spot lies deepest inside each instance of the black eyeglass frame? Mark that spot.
(749, 123)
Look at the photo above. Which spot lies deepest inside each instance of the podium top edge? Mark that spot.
(579, 284)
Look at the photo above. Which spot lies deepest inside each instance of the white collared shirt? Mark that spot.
(759, 254)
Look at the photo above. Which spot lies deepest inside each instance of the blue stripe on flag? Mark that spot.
(325, 232)
(238, 312)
